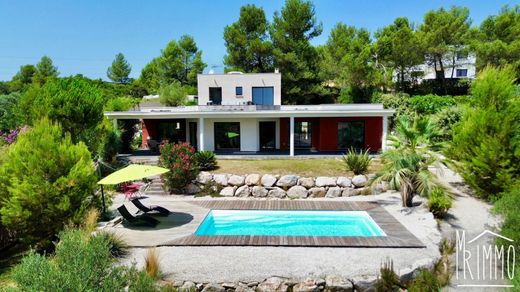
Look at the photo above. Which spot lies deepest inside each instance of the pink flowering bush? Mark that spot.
(181, 161)
(10, 138)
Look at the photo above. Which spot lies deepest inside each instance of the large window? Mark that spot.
(263, 95)
(302, 134)
(462, 72)
(227, 136)
(351, 134)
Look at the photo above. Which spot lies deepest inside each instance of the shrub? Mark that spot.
(81, 263)
(117, 246)
(357, 162)
(486, 143)
(425, 281)
(180, 160)
(111, 146)
(173, 94)
(388, 279)
(45, 181)
(121, 104)
(9, 115)
(206, 160)
(445, 119)
(91, 220)
(152, 265)
(430, 104)
(439, 203)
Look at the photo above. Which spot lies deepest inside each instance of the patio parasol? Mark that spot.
(131, 172)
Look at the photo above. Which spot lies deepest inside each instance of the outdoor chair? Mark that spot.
(152, 210)
(139, 220)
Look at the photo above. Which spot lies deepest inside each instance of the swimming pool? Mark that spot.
(289, 223)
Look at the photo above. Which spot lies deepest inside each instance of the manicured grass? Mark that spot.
(301, 167)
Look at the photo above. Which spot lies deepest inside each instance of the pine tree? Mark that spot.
(45, 70)
(119, 70)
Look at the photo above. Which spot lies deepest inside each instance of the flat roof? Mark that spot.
(254, 111)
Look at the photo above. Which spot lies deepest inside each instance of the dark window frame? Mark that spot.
(461, 70)
(239, 91)
(339, 146)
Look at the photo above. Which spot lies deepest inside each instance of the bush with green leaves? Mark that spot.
(82, 262)
(486, 142)
(180, 160)
(445, 119)
(430, 104)
(173, 94)
(206, 160)
(426, 280)
(357, 161)
(439, 203)
(46, 181)
(9, 113)
(121, 104)
(74, 102)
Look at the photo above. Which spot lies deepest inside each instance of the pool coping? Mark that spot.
(397, 236)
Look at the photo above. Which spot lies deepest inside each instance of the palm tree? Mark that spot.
(406, 164)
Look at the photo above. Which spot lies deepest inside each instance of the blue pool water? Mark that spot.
(289, 223)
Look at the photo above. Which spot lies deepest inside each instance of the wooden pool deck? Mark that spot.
(397, 236)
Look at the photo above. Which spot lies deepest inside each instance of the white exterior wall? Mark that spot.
(249, 133)
(228, 82)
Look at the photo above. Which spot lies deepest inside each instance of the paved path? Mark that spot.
(473, 216)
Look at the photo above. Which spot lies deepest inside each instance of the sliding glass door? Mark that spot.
(227, 136)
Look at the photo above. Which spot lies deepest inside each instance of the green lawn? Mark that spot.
(301, 167)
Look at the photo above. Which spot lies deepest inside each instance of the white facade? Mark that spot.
(229, 83)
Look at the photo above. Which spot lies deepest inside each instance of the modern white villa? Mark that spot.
(243, 113)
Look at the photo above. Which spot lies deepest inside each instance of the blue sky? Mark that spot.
(84, 36)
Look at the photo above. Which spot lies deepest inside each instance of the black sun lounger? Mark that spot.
(152, 210)
(139, 220)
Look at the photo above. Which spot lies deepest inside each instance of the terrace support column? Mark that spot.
(385, 131)
(201, 134)
(291, 136)
(114, 123)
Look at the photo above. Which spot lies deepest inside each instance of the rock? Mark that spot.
(365, 283)
(213, 287)
(228, 191)
(252, 284)
(309, 285)
(287, 181)
(366, 191)
(273, 284)
(259, 192)
(359, 180)
(243, 191)
(236, 180)
(199, 286)
(204, 177)
(338, 284)
(268, 180)
(297, 192)
(229, 285)
(221, 179)
(320, 282)
(344, 181)
(325, 181)
(333, 192)
(307, 182)
(349, 192)
(192, 189)
(276, 193)
(317, 192)
(253, 179)
(244, 288)
(188, 286)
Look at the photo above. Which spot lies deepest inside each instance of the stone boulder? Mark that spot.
(309, 285)
(253, 179)
(273, 284)
(228, 191)
(344, 182)
(338, 284)
(221, 179)
(349, 192)
(307, 182)
(259, 192)
(359, 180)
(192, 189)
(188, 286)
(297, 192)
(243, 191)
(268, 180)
(333, 192)
(204, 177)
(325, 181)
(236, 180)
(317, 192)
(276, 193)
(287, 181)
(213, 287)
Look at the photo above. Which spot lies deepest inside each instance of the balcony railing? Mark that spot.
(244, 108)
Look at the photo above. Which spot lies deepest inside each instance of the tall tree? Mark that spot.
(119, 70)
(444, 33)
(398, 47)
(248, 46)
(347, 60)
(45, 70)
(297, 59)
(497, 42)
(180, 61)
(23, 78)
